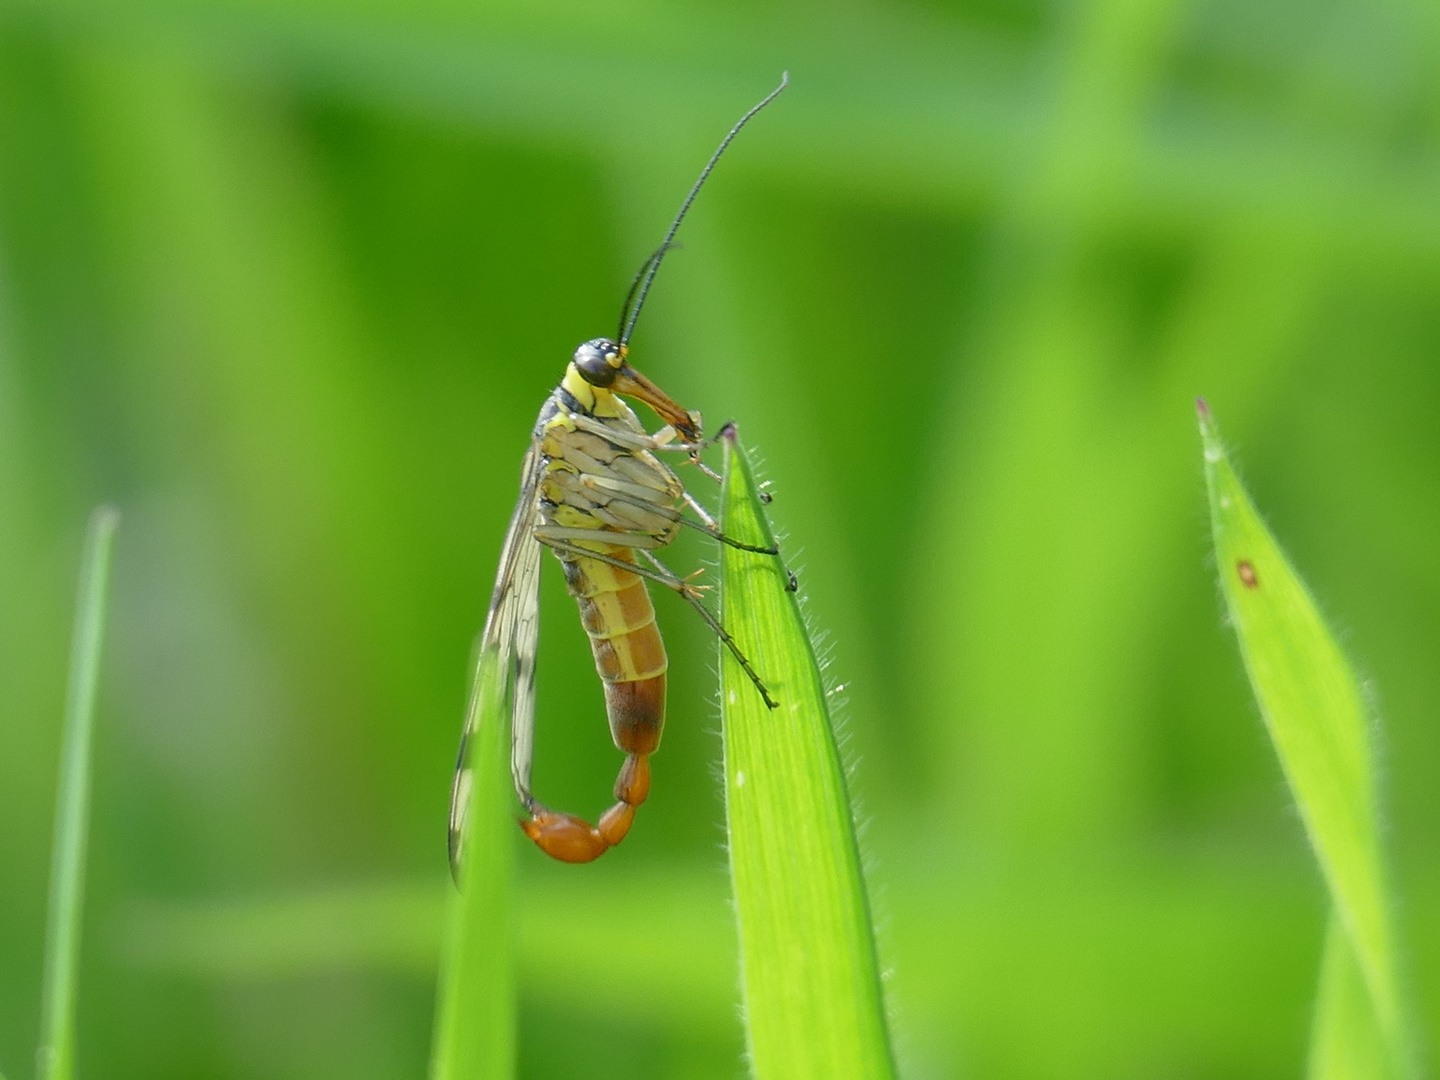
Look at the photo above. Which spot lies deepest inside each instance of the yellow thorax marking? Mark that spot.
(576, 386)
(598, 400)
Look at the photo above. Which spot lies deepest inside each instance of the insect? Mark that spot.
(594, 490)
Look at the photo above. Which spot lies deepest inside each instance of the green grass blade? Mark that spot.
(55, 1059)
(1316, 717)
(475, 1011)
(1346, 1043)
(813, 1001)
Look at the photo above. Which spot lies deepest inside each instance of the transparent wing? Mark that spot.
(512, 631)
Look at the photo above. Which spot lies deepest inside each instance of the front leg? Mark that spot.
(664, 439)
(568, 540)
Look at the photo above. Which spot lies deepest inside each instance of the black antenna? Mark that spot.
(651, 267)
(650, 261)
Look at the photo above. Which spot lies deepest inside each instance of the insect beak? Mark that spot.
(631, 383)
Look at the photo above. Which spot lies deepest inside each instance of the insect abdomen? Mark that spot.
(616, 612)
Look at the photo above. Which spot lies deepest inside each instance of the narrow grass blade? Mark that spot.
(475, 1012)
(813, 1001)
(55, 1059)
(1346, 1043)
(1316, 717)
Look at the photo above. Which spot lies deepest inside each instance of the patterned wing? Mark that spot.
(512, 631)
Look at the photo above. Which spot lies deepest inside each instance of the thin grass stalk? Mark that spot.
(55, 1058)
(1346, 1043)
(475, 1011)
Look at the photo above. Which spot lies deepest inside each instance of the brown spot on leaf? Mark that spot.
(1246, 573)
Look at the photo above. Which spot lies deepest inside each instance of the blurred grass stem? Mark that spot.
(475, 1009)
(55, 1059)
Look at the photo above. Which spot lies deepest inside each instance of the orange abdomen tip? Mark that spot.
(615, 823)
(633, 783)
(565, 837)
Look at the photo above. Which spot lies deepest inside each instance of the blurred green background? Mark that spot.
(288, 283)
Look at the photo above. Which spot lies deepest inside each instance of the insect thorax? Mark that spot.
(593, 482)
(601, 491)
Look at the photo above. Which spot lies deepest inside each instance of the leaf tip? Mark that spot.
(1209, 434)
(105, 519)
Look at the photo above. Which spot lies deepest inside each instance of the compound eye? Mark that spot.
(598, 361)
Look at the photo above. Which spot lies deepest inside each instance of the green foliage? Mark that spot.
(56, 1056)
(813, 1003)
(1347, 1042)
(290, 282)
(1315, 713)
(475, 1012)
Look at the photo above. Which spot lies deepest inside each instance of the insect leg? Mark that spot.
(711, 473)
(569, 535)
(631, 440)
(635, 495)
(554, 537)
(692, 597)
(726, 429)
(653, 442)
(712, 527)
(563, 539)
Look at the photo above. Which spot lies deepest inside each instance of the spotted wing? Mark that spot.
(512, 631)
